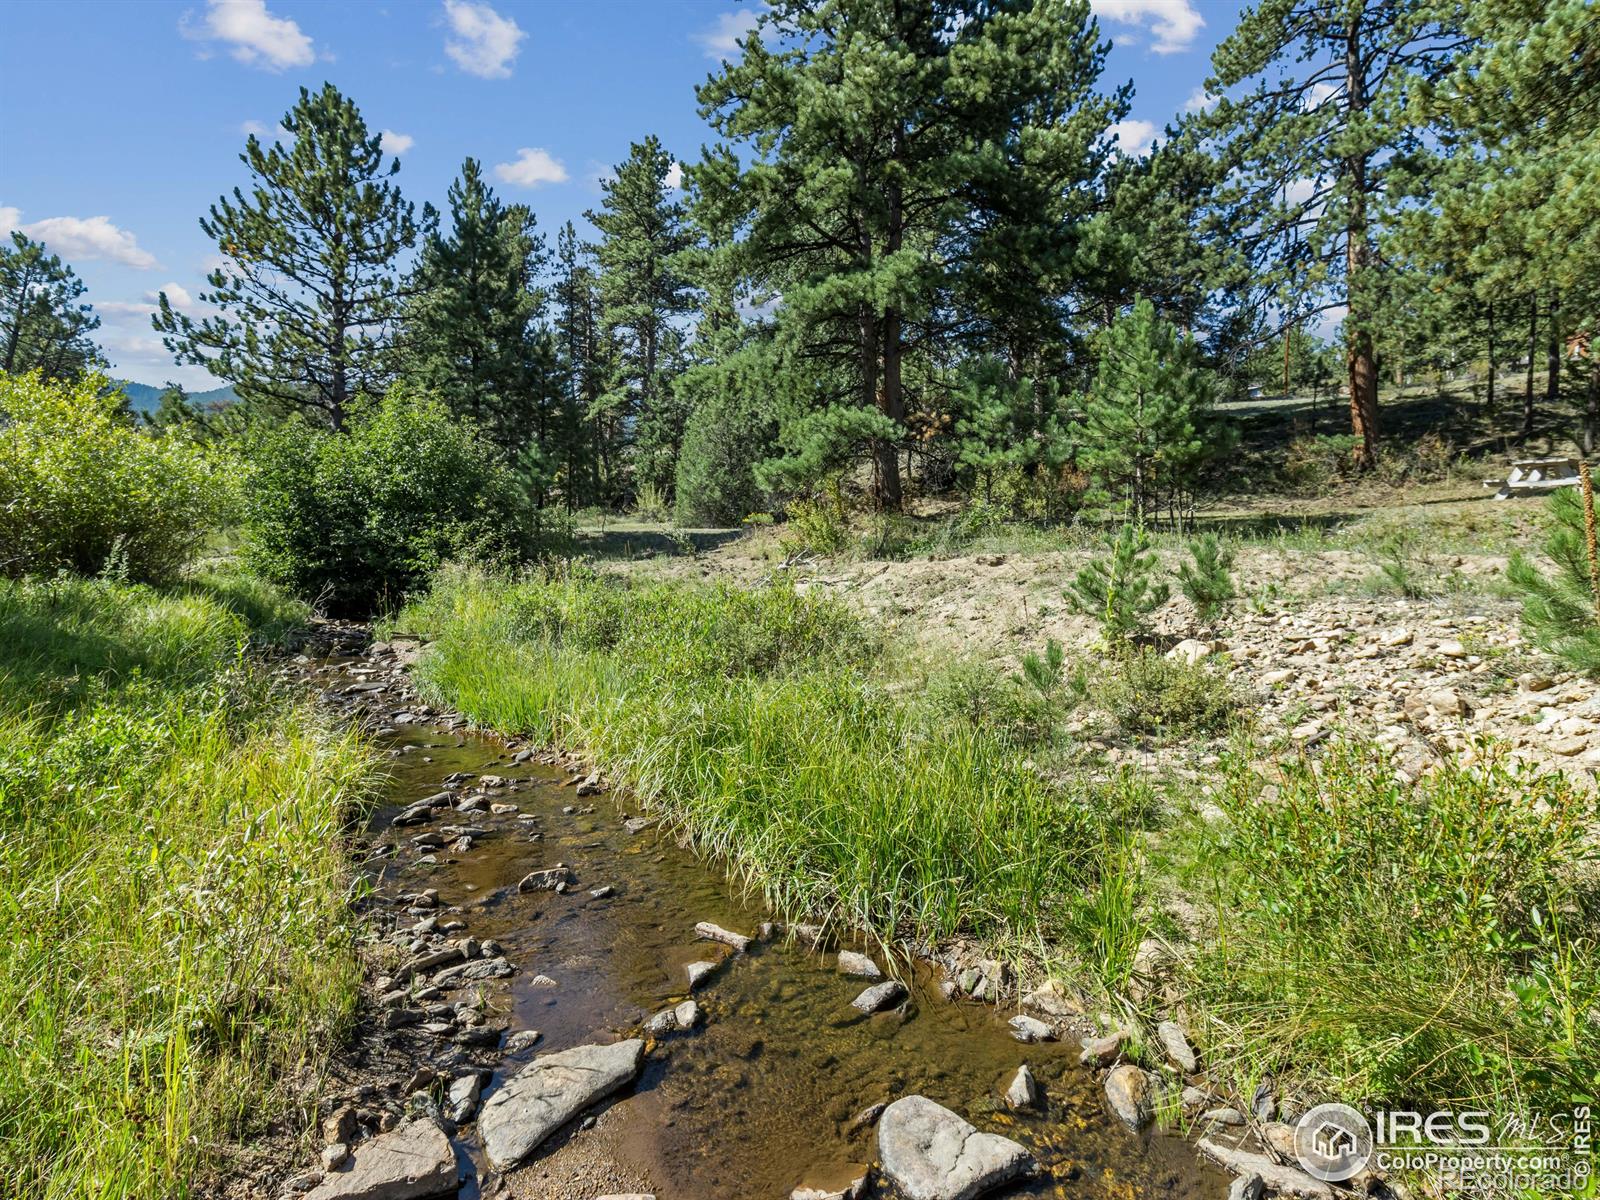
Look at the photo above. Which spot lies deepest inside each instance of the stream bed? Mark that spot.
(760, 1098)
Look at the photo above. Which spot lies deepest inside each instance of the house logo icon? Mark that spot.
(1333, 1142)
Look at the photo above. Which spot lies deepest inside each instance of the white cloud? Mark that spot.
(1134, 137)
(76, 238)
(721, 40)
(1173, 24)
(178, 295)
(396, 143)
(1317, 95)
(531, 167)
(675, 176)
(258, 38)
(1200, 100)
(483, 43)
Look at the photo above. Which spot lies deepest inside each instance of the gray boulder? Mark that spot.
(1024, 1089)
(859, 965)
(932, 1154)
(549, 1092)
(1128, 1090)
(411, 1162)
(879, 996)
(1177, 1046)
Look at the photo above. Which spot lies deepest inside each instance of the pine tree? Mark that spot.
(1149, 423)
(1309, 150)
(1120, 590)
(1562, 611)
(307, 293)
(1206, 580)
(44, 325)
(469, 322)
(590, 447)
(916, 173)
(643, 296)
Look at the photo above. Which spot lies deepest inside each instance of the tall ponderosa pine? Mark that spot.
(307, 293)
(44, 325)
(470, 321)
(1149, 423)
(915, 172)
(643, 298)
(1309, 150)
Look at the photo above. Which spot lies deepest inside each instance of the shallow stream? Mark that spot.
(760, 1098)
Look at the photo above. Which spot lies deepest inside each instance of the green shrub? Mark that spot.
(1148, 693)
(1562, 611)
(819, 524)
(969, 694)
(1434, 940)
(1120, 590)
(357, 520)
(83, 489)
(1207, 578)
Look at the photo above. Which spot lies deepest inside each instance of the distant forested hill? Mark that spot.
(144, 398)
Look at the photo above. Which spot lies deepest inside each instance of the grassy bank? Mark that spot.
(754, 720)
(1334, 930)
(171, 884)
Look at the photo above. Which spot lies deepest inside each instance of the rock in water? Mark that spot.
(411, 1162)
(1024, 1090)
(859, 965)
(716, 933)
(932, 1154)
(1128, 1090)
(549, 1092)
(879, 996)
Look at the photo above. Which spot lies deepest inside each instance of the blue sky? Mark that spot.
(121, 120)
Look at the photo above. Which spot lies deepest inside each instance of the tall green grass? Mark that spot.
(1435, 944)
(171, 885)
(752, 721)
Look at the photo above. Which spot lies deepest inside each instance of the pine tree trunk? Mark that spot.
(1591, 410)
(892, 404)
(1363, 368)
(1552, 360)
(1533, 352)
(1494, 365)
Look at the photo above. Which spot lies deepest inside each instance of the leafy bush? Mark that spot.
(1120, 590)
(1206, 579)
(1562, 611)
(969, 694)
(1433, 940)
(83, 489)
(819, 524)
(359, 519)
(1149, 693)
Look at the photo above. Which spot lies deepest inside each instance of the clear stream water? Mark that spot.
(759, 1099)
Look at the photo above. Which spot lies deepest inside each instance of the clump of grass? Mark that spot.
(1148, 693)
(1433, 942)
(780, 755)
(171, 884)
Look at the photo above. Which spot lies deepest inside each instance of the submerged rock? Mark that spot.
(932, 1154)
(1030, 1029)
(879, 996)
(414, 1161)
(716, 933)
(1024, 1089)
(858, 965)
(699, 972)
(548, 1093)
